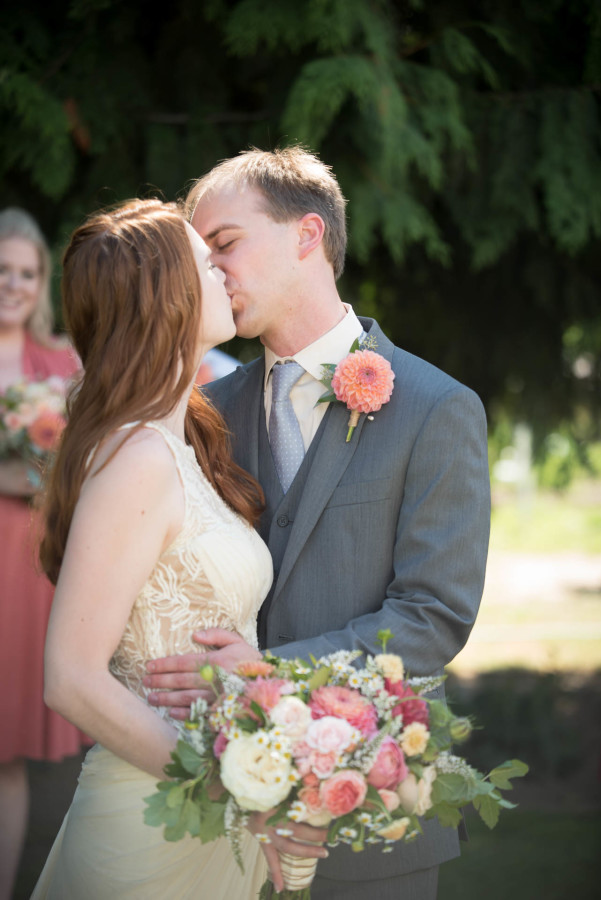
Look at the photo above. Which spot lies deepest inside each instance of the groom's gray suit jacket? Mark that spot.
(389, 530)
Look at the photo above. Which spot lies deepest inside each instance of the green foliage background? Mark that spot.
(466, 136)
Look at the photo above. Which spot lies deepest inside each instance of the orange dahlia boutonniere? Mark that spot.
(363, 380)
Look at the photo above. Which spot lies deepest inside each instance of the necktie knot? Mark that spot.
(285, 376)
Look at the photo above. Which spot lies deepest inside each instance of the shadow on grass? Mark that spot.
(547, 848)
(528, 856)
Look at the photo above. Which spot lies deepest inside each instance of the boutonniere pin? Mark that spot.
(362, 380)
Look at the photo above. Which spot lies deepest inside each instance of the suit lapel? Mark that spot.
(243, 406)
(331, 460)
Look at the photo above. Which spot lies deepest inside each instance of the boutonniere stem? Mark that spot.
(363, 380)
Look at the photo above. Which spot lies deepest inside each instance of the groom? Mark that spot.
(388, 530)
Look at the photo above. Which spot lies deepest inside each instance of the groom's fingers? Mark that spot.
(217, 637)
(188, 662)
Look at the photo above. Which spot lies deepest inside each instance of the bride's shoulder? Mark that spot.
(139, 452)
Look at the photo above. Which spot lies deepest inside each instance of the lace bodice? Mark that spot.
(216, 573)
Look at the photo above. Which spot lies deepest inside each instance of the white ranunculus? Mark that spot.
(256, 775)
(415, 796)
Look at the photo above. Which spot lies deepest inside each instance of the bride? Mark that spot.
(149, 535)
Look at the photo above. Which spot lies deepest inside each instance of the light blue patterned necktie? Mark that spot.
(284, 431)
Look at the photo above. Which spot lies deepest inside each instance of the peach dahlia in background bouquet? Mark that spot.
(360, 751)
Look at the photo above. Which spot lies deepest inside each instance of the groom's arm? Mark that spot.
(439, 547)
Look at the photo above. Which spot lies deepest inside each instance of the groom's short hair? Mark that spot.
(293, 183)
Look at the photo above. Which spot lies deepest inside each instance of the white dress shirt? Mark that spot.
(331, 347)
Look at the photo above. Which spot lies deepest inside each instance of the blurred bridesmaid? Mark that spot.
(28, 352)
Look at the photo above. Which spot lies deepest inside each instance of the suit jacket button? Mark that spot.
(283, 521)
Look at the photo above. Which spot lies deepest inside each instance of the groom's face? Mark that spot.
(258, 255)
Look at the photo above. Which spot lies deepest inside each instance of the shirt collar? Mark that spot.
(331, 347)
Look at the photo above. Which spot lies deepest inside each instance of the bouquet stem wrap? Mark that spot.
(298, 871)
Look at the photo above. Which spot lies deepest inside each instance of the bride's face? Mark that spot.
(216, 319)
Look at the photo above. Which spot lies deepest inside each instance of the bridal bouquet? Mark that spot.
(360, 751)
(32, 418)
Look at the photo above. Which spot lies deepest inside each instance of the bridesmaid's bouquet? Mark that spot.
(360, 751)
(32, 418)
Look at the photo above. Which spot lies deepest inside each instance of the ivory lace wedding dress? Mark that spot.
(215, 574)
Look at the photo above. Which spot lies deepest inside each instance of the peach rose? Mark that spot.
(317, 814)
(343, 792)
(390, 799)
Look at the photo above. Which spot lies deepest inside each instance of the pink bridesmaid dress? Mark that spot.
(29, 728)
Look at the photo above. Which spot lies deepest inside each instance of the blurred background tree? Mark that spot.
(466, 136)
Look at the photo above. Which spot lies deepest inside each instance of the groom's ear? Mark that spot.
(310, 233)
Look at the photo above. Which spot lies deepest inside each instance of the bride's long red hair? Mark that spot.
(132, 305)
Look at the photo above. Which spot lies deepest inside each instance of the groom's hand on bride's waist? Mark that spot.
(176, 681)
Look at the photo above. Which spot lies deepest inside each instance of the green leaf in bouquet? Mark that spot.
(157, 813)
(450, 788)
(488, 809)
(262, 719)
(512, 768)
(247, 723)
(211, 820)
(278, 814)
(373, 798)
(187, 820)
(188, 757)
(319, 677)
(448, 815)
(177, 795)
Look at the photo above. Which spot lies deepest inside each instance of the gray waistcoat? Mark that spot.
(280, 510)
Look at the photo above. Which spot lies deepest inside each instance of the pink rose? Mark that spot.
(220, 744)
(322, 764)
(345, 703)
(389, 768)
(343, 792)
(329, 735)
(310, 779)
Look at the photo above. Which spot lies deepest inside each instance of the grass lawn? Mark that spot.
(528, 856)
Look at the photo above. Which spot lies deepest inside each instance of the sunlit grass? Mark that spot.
(545, 522)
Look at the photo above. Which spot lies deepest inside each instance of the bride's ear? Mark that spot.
(310, 234)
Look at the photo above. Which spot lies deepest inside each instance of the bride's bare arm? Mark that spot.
(126, 515)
